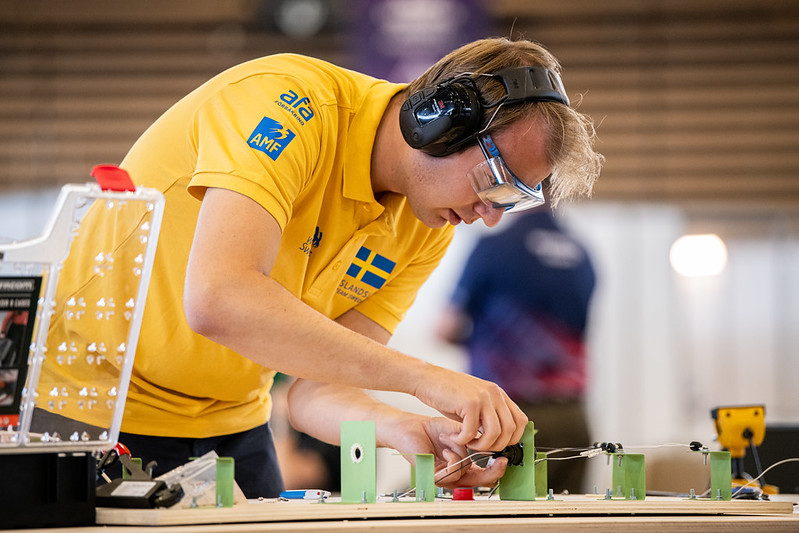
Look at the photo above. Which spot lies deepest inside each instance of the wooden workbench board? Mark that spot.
(293, 511)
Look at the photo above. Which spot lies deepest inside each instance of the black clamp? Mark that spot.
(139, 490)
(696, 446)
(610, 447)
(514, 453)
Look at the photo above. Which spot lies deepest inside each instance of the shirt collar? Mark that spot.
(360, 140)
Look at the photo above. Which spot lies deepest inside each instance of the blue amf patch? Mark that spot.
(270, 137)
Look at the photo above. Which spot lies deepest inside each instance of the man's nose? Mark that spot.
(491, 215)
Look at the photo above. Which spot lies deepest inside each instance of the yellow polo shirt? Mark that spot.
(295, 134)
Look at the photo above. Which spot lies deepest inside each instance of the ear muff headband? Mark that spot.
(442, 119)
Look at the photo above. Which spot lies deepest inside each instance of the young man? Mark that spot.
(299, 225)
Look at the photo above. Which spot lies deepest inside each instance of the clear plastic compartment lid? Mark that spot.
(71, 305)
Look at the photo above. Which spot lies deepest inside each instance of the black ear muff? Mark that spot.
(443, 119)
(437, 117)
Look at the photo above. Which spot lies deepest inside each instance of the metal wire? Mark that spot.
(739, 489)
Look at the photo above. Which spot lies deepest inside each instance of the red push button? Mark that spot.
(462, 493)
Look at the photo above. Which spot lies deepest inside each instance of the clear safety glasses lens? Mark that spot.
(496, 186)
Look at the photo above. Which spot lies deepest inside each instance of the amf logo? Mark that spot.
(270, 137)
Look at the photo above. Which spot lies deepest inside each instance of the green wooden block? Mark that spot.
(629, 476)
(720, 475)
(358, 462)
(619, 475)
(541, 485)
(225, 473)
(425, 477)
(518, 483)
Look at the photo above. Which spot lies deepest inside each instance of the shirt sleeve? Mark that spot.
(249, 142)
(388, 306)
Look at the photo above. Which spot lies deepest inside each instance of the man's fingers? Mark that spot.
(509, 421)
(487, 439)
(456, 467)
(476, 476)
(489, 419)
(448, 440)
(469, 429)
(450, 457)
(499, 428)
(520, 419)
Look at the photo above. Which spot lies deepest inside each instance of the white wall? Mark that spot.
(24, 214)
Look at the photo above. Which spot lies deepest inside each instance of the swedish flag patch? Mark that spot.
(370, 267)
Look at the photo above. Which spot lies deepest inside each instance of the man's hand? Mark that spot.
(421, 434)
(490, 420)
(318, 409)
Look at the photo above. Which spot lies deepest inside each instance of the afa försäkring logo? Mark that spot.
(370, 267)
(270, 137)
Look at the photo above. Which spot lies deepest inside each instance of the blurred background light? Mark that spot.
(301, 18)
(698, 255)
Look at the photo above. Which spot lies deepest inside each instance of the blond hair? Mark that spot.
(570, 147)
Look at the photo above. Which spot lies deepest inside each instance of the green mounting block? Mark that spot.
(358, 462)
(518, 483)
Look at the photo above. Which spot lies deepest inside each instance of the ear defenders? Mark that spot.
(442, 119)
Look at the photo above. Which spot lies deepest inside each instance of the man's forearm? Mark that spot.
(319, 408)
(260, 319)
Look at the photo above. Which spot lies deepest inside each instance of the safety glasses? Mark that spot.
(497, 185)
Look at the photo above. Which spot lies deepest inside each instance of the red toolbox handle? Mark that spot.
(113, 178)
